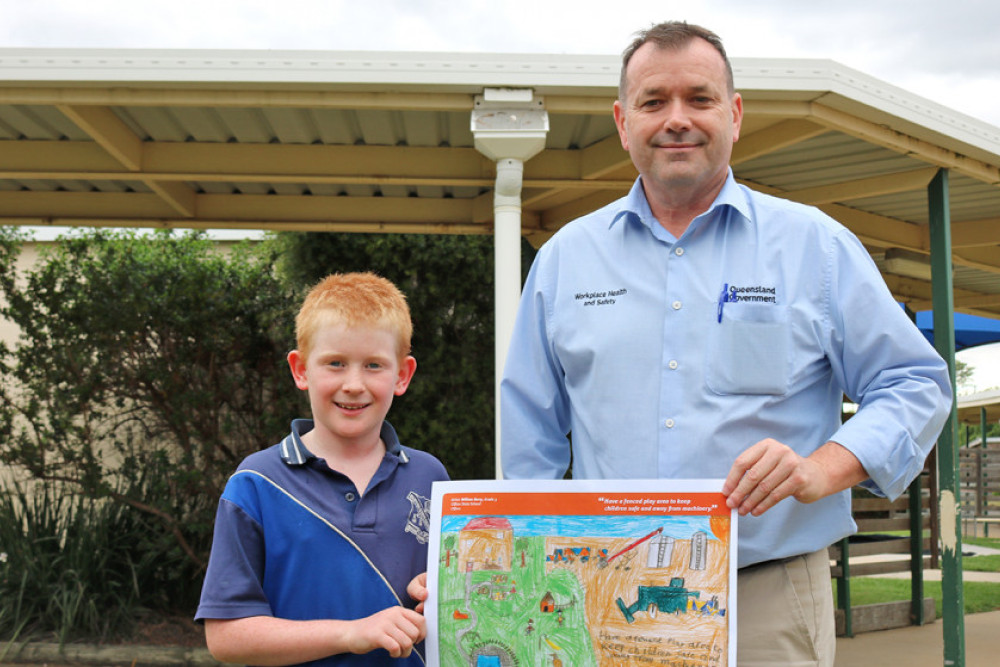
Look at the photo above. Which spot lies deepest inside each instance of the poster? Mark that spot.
(581, 573)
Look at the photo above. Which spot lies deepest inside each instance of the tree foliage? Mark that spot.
(448, 281)
(147, 367)
(963, 372)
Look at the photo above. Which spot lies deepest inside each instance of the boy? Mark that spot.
(317, 537)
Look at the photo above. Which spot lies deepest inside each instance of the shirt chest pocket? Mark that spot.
(749, 351)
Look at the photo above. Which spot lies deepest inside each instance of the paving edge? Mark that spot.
(85, 654)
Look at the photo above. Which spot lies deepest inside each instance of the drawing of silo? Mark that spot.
(699, 550)
(661, 549)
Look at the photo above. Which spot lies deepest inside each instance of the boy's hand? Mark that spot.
(395, 629)
(417, 590)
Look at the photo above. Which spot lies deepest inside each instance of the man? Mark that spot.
(698, 329)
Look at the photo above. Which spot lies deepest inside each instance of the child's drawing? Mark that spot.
(581, 573)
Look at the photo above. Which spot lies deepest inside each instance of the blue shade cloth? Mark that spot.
(970, 330)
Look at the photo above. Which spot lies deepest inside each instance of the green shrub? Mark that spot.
(149, 363)
(74, 567)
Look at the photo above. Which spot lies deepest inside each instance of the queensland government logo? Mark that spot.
(751, 294)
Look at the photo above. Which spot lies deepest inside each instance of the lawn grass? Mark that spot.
(977, 596)
(991, 542)
(990, 563)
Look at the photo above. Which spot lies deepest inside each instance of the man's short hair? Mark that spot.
(354, 300)
(672, 35)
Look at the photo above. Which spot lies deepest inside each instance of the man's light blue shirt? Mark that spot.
(667, 357)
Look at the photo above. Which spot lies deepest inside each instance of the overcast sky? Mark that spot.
(944, 50)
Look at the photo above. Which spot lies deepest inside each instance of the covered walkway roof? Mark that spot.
(382, 142)
(972, 408)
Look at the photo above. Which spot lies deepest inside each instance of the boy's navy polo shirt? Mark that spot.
(294, 540)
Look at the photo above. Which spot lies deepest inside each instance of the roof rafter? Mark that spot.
(115, 137)
(984, 232)
(904, 181)
(775, 137)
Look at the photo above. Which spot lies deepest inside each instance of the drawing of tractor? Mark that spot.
(670, 599)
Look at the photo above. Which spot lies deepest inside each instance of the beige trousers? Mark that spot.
(785, 613)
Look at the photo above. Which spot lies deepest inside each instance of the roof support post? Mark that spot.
(952, 607)
(509, 126)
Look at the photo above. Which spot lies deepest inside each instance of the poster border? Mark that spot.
(440, 490)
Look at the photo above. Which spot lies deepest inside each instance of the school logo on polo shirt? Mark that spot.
(419, 521)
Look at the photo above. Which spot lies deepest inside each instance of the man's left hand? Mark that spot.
(770, 471)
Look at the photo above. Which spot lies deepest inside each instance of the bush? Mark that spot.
(148, 364)
(73, 567)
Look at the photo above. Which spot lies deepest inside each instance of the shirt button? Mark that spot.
(672, 365)
(349, 497)
(678, 251)
(676, 305)
(669, 423)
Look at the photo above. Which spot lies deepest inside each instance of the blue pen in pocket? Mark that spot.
(723, 298)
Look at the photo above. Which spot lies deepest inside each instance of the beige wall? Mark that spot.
(28, 257)
(9, 332)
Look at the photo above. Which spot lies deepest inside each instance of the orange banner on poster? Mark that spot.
(585, 504)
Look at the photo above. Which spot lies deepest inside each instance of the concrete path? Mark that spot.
(922, 646)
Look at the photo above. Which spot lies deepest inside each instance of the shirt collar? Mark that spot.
(636, 206)
(295, 453)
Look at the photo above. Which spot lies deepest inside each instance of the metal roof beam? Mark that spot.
(238, 98)
(178, 196)
(275, 163)
(142, 209)
(39, 158)
(878, 230)
(875, 133)
(986, 259)
(304, 162)
(984, 232)
(600, 166)
(605, 157)
(904, 143)
(108, 131)
(775, 137)
(906, 181)
(70, 205)
(972, 301)
(115, 137)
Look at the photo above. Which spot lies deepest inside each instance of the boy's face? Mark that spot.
(351, 374)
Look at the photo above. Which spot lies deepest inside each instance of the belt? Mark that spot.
(767, 563)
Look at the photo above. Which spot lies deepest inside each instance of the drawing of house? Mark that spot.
(486, 543)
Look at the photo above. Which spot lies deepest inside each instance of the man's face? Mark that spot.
(679, 121)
